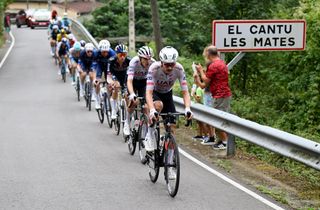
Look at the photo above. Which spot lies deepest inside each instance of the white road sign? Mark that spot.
(259, 35)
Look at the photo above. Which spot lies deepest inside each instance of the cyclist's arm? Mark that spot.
(130, 86)
(149, 89)
(149, 99)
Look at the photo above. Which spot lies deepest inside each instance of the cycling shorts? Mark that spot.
(139, 86)
(167, 101)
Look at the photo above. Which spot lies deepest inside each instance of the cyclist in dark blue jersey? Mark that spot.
(87, 65)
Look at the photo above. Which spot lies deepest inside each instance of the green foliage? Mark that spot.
(3, 6)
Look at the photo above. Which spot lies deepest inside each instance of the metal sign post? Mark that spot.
(132, 41)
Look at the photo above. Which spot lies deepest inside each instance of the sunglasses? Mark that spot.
(89, 51)
(122, 54)
(169, 64)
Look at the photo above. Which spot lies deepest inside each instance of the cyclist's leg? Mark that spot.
(114, 99)
(92, 75)
(52, 45)
(82, 74)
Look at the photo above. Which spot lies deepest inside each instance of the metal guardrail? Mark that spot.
(283, 143)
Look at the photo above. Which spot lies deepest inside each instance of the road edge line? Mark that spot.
(9, 50)
(230, 181)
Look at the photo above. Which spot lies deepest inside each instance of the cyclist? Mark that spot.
(87, 65)
(74, 60)
(161, 78)
(72, 39)
(61, 35)
(63, 52)
(83, 43)
(136, 80)
(53, 38)
(66, 23)
(102, 59)
(118, 69)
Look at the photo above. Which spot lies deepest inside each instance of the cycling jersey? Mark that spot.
(60, 36)
(74, 55)
(120, 72)
(54, 35)
(136, 70)
(161, 82)
(103, 62)
(87, 63)
(62, 49)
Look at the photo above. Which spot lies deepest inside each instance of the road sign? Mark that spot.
(259, 35)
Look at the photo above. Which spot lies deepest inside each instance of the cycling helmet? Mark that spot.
(65, 15)
(89, 47)
(55, 27)
(64, 40)
(63, 31)
(168, 55)
(77, 46)
(104, 45)
(145, 52)
(121, 48)
(71, 36)
(83, 43)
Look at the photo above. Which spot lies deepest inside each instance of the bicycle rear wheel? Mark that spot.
(89, 96)
(132, 142)
(153, 162)
(172, 166)
(86, 94)
(107, 109)
(142, 131)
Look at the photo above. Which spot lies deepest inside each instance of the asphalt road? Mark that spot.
(54, 154)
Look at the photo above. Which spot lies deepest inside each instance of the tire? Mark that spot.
(78, 89)
(142, 131)
(123, 117)
(64, 77)
(89, 96)
(32, 27)
(107, 109)
(117, 124)
(101, 114)
(173, 184)
(153, 163)
(131, 140)
(86, 94)
(18, 25)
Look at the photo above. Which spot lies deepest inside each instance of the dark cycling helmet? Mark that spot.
(83, 43)
(121, 48)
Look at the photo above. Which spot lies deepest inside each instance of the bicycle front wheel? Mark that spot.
(117, 124)
(101, 113)
(142, 131)
(78, 89)
(107, 109)
(153, 162)
(172, 166)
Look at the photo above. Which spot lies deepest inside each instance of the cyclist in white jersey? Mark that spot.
(161, 78)
(136, 80)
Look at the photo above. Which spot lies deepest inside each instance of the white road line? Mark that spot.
(237, 185)
(8, 52)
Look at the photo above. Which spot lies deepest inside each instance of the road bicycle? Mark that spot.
(77, 86)
(103, 92)
(138, 131)
(88, 92)
(63, 69)
(166, 154)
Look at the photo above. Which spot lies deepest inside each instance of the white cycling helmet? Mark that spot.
(145, 52)
(104, 45)
(55, 27)
(89, 47)
(168, 55)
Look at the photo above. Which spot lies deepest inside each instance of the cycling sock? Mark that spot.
(113, 107)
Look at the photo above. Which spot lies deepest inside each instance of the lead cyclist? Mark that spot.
(160, 80)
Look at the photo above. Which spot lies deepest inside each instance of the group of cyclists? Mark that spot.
(139, 77)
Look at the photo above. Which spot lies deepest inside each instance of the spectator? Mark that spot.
(216, 78)
(7, 25)
(197, 94)
(206, 99)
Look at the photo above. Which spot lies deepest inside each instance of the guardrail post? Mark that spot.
(231, 146)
